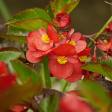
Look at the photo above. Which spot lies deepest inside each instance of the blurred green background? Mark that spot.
(87, 18)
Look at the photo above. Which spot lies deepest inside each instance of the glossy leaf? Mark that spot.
(28, 20)
(63, 5)
(25, 72)
(9, 55)
(30, 14)
(20, 28)
(95, 94)
(102, 69)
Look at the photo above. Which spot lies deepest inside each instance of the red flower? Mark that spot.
(40, 43)
(72, 102)
(7, 80)
(77, 40)
(63, 65)
(63, 19)
(104, 45)
(3, 69)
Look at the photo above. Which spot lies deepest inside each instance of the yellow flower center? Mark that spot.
(105, 41)
(83, 58)
(72, 43)
(45, 38)
(62, 59)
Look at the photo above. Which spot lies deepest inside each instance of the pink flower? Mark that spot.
(72, 102)
(63, 19)
(40, 43)
(104, 45)
(78, 41)
(64, 65)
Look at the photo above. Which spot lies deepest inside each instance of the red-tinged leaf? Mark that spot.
(63, 5)
(65, 50)
(19, 94)
(95, 94)
(28, 85)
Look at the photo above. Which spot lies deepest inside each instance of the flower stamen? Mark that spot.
(62, 59)
(45, 38)
(72, 42)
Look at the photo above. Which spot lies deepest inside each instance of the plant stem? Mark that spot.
(66, 84)
(101, 30)
(4, 11)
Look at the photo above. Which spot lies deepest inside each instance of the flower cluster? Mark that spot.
(66, 50)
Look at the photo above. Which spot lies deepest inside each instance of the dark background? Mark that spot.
(87, 18)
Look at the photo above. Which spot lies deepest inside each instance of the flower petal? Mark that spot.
(6, 82)
(60, 71)
(77, 73)
(33, 56)
(64, 50)
(40, 45)
(81, 45)
(52, 33)
(86, 52)
(76, 36)
(3, 69)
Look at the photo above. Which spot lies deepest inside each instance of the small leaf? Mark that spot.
(95, 94)
(9, 55)
(22, 27)
(102, 69)
(107, 62)
(30, 14)
(25, 72)
(63, 5)
(28, 20)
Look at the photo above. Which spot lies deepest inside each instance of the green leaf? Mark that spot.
(9, 55)
(44, 71)
(25, 72)
(102, 69)
(95, 94)
(28, 20)
(30, 14)
(22, 27)
(63, 5)
(107, 62)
